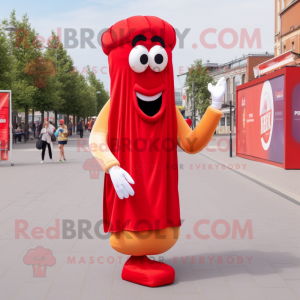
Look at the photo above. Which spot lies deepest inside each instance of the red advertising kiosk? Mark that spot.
(268, 114)
(5, 126)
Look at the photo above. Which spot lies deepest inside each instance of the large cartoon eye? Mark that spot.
(158, 58)
(138, 59)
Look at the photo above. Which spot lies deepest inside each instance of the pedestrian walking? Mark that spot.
(40, 127)
(62, 138)
(31, 134)
(33, 129)
(47, 132)
(80, 127)
(91, 124)
(70, 127)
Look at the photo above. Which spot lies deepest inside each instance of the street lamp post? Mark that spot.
(96, 92)
(193, 107)
(230, 114)
(10, 28)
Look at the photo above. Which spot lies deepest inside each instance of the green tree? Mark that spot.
(5, 61)
(45, 80)
(87, 98)
(25, 48)
(97, 86)
(201, 79)
(53, 101)
(66, 82)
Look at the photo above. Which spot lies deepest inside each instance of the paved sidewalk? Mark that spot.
(281, 180)
(223, 266)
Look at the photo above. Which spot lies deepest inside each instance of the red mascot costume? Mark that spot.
(136, 136)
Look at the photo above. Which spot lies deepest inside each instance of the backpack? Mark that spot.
(39, 143)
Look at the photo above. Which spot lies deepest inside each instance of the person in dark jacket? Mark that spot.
(80, 128)
(33, 129)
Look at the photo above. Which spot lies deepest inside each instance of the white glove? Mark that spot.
(120, 179)
(217, 92)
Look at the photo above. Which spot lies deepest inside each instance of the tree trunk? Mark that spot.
(32, 118)
(55, 119)
(26, 121)
(42, 117)
(77, 122)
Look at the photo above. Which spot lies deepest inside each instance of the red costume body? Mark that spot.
(139, 130)
(146, 147)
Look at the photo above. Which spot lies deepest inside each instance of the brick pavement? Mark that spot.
(265, 266)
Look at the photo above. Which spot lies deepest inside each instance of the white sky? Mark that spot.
(195, 14)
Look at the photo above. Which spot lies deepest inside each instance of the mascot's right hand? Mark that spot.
(120, 179)
(217, 92)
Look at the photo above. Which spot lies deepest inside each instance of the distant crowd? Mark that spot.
(35, 128)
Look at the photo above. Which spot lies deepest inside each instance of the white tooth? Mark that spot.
(148, 98)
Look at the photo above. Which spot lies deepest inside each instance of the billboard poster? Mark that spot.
(296, 113)
(261, 120)
(4, 124)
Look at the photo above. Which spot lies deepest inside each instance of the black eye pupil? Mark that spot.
(158, 59)
(144, 59)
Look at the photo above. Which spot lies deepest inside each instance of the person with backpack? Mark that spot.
(46, 132)
(62, 138)
(80, 127)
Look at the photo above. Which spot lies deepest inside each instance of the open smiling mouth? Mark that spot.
(150, 106)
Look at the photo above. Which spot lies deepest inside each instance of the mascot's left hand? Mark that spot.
(120, 179)
(217, 92)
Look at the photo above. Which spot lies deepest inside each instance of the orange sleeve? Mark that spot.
(193, 141)
(98, 139)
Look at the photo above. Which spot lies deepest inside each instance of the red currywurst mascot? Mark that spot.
(136, 136)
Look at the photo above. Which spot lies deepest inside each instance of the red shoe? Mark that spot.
(142, 270)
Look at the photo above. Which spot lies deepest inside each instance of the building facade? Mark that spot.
(287, 26)
(236, 72)
(178, 97)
